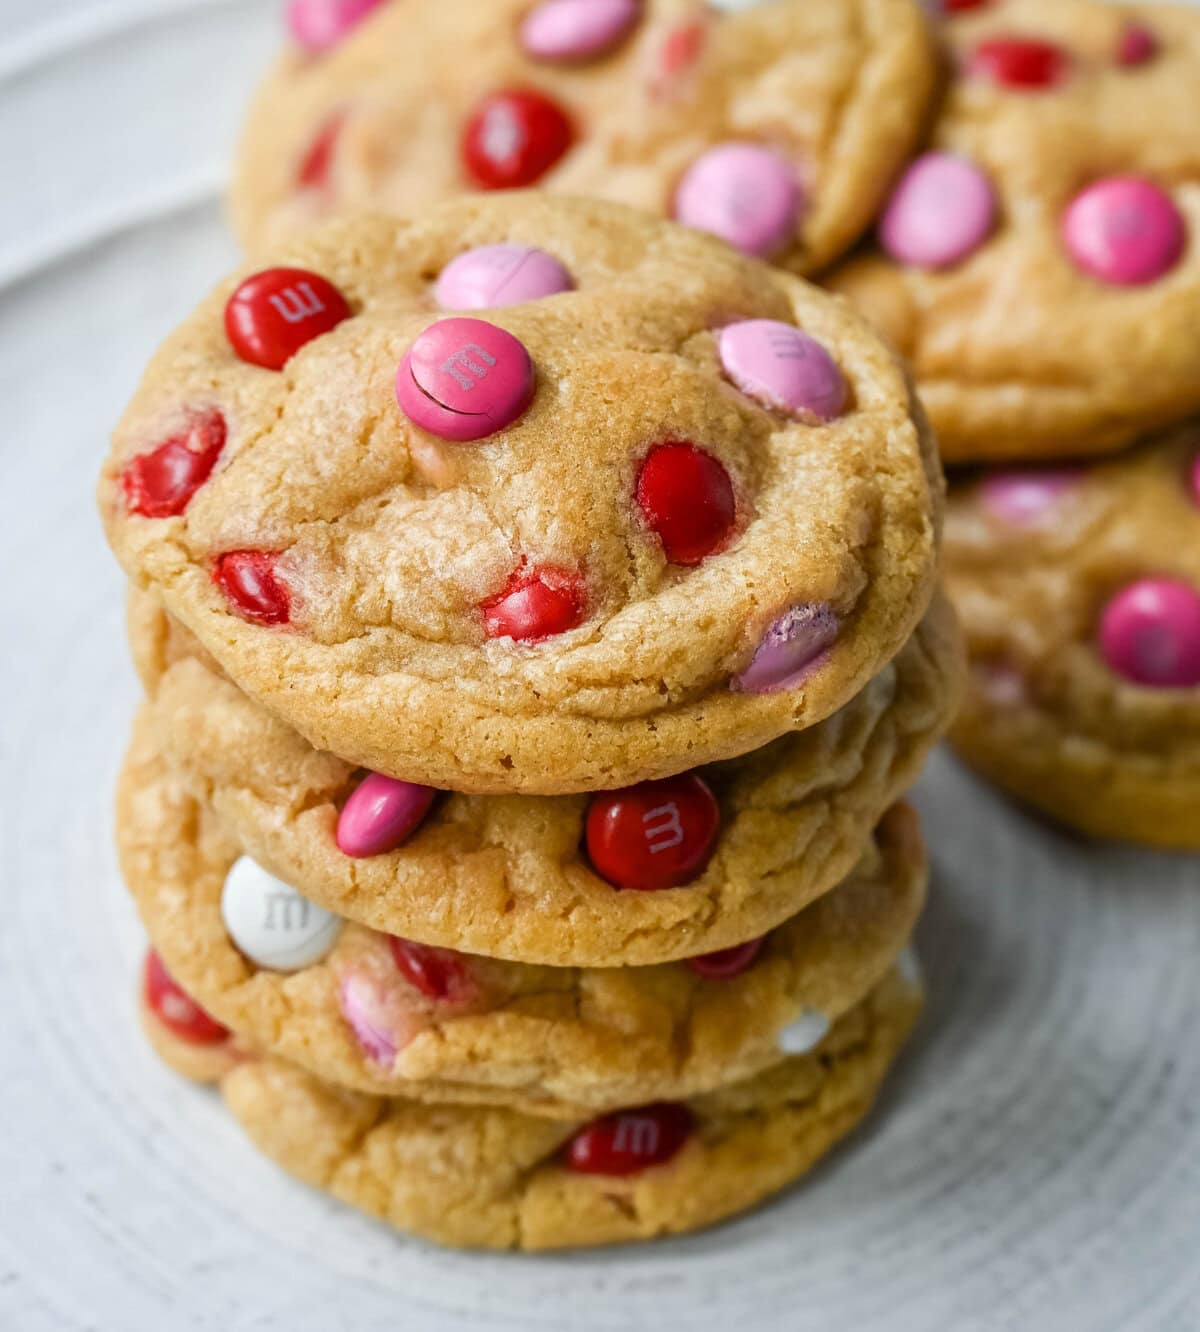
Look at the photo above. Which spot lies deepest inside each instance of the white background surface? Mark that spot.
(1036, 1164)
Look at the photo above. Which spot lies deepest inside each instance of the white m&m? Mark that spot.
(271, 923)
(805, 1033)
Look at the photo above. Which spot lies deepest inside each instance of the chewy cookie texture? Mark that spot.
(1079, 589)
(536, 608)
(376, 1013)
(656, 520)
(776, 126)
(490, 1178)
(1038, 264)
(532, 878)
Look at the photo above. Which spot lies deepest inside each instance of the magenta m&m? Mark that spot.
(1150, 633)
(1124, 230)
(464, 379)
(381, 814)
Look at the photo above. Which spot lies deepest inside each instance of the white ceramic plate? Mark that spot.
(1036, 1164)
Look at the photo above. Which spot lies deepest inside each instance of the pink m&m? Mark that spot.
(942, 210)
(381, 814)
(1026, 497)
(1150, 633)
(495, 275)
(571, 30)
(366, 1010)
(791, 647)
(1124, 230)
(746, 194)
(783, 368)
(1136, 45)
(464, 379)
(318, 25)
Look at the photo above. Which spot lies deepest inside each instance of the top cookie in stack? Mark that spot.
(779, 127)
(684, 507)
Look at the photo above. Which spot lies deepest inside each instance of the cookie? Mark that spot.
(1080, 592)
(386, 1015)
(672, 869)
(777, 128)
(704, 511)
(478, 1177)
(1039, 264)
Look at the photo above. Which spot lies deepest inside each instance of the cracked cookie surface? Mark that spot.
(1079, 591)
(829, 98)
(489, 1178)
(1048, 304)
(440, 1026)
(510, 876)
(652, 567)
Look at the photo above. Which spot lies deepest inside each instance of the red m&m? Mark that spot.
(161, 483)
(317, 161)
(274, 313)
(729, 962)
(687, 500)
(536, 604)
(1019, 62)
(175, 1008)
(630, 1140)
(251, 583)
(513, 138)
(439, 973)
(654, 835)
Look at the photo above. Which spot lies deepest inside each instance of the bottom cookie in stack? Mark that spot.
(483, 1177)
(1079, 591)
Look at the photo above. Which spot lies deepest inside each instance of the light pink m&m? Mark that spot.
(464, 379)
(495, 275)
(1026, 497)
(1124, 230)
(942, 210)
(318, 25)
(367, 1013)
(746, 194)
(1150, 633)
(794, 644)
(783, 368)
(570, 30)
(381, 814)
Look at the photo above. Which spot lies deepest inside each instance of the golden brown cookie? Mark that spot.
(1040, 264)
(778, 127)
(649, 568)
(566, 880)
(1080, 592)
(388, 1016)
(490, 1178)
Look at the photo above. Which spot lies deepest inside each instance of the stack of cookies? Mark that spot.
(1039, 265)
(536, 607)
